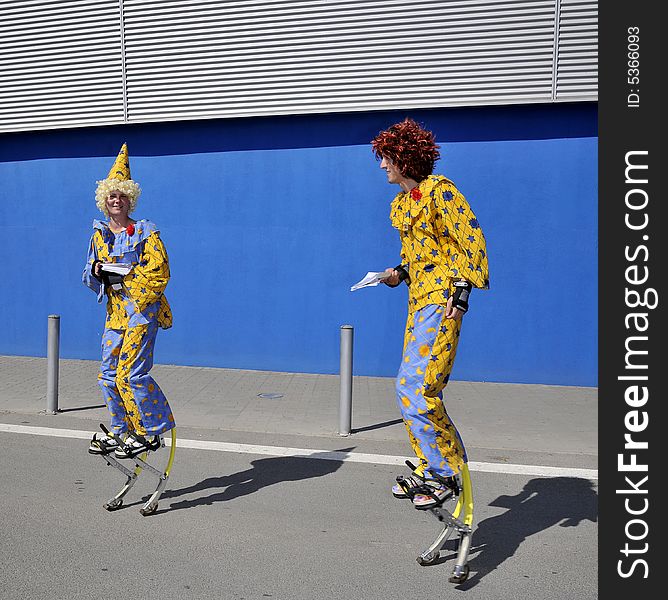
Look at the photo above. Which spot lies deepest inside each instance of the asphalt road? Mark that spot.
(243, 527)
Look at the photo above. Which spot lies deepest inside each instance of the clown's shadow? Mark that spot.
(543, 503)
(264, 472)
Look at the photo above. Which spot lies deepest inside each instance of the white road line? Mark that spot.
(377, 459)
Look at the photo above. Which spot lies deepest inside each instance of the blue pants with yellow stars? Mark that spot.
(430, 345)
(134, 400)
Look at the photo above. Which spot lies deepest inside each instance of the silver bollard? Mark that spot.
(346, 376)
(52, 356)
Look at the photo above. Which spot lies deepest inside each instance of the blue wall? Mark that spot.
(269, 221)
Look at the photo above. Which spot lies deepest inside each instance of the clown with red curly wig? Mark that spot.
(443, 257)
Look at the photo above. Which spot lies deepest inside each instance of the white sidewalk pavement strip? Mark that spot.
(379, 459)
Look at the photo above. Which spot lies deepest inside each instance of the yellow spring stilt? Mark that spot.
(467, 496)
(172, 450)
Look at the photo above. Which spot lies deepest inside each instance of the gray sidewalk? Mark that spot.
(556, 424)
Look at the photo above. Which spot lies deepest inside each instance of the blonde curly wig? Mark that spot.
(104, 187)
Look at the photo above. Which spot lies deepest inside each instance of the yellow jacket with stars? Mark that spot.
(141, 298)
(441, 241)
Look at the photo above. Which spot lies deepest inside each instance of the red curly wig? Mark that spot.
(410, 147)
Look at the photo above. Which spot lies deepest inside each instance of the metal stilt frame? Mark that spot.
(453, 521)
(140, 464)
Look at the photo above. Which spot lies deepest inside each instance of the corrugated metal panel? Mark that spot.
(577, 60)
(67, 63)
(197, 59)
(60, 64)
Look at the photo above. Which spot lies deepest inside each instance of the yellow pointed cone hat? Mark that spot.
(119, 179)
(121, 168)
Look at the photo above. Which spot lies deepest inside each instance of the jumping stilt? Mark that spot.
(140, 464)
(461, 496)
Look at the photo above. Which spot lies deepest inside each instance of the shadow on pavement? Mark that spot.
(543, 503)
(92, 407)
(377, 426)
(264, 472)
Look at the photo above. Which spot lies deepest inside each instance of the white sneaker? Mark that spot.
(135, 446)
(434, 493)
(102, 444)
(409, 485)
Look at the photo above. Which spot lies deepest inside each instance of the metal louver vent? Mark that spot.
(60, 64)
(188, 60)
(73, 63)
(577, 59)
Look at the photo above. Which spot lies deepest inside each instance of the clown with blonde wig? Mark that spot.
(104, 187)
(443, 256)
(127, 261)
